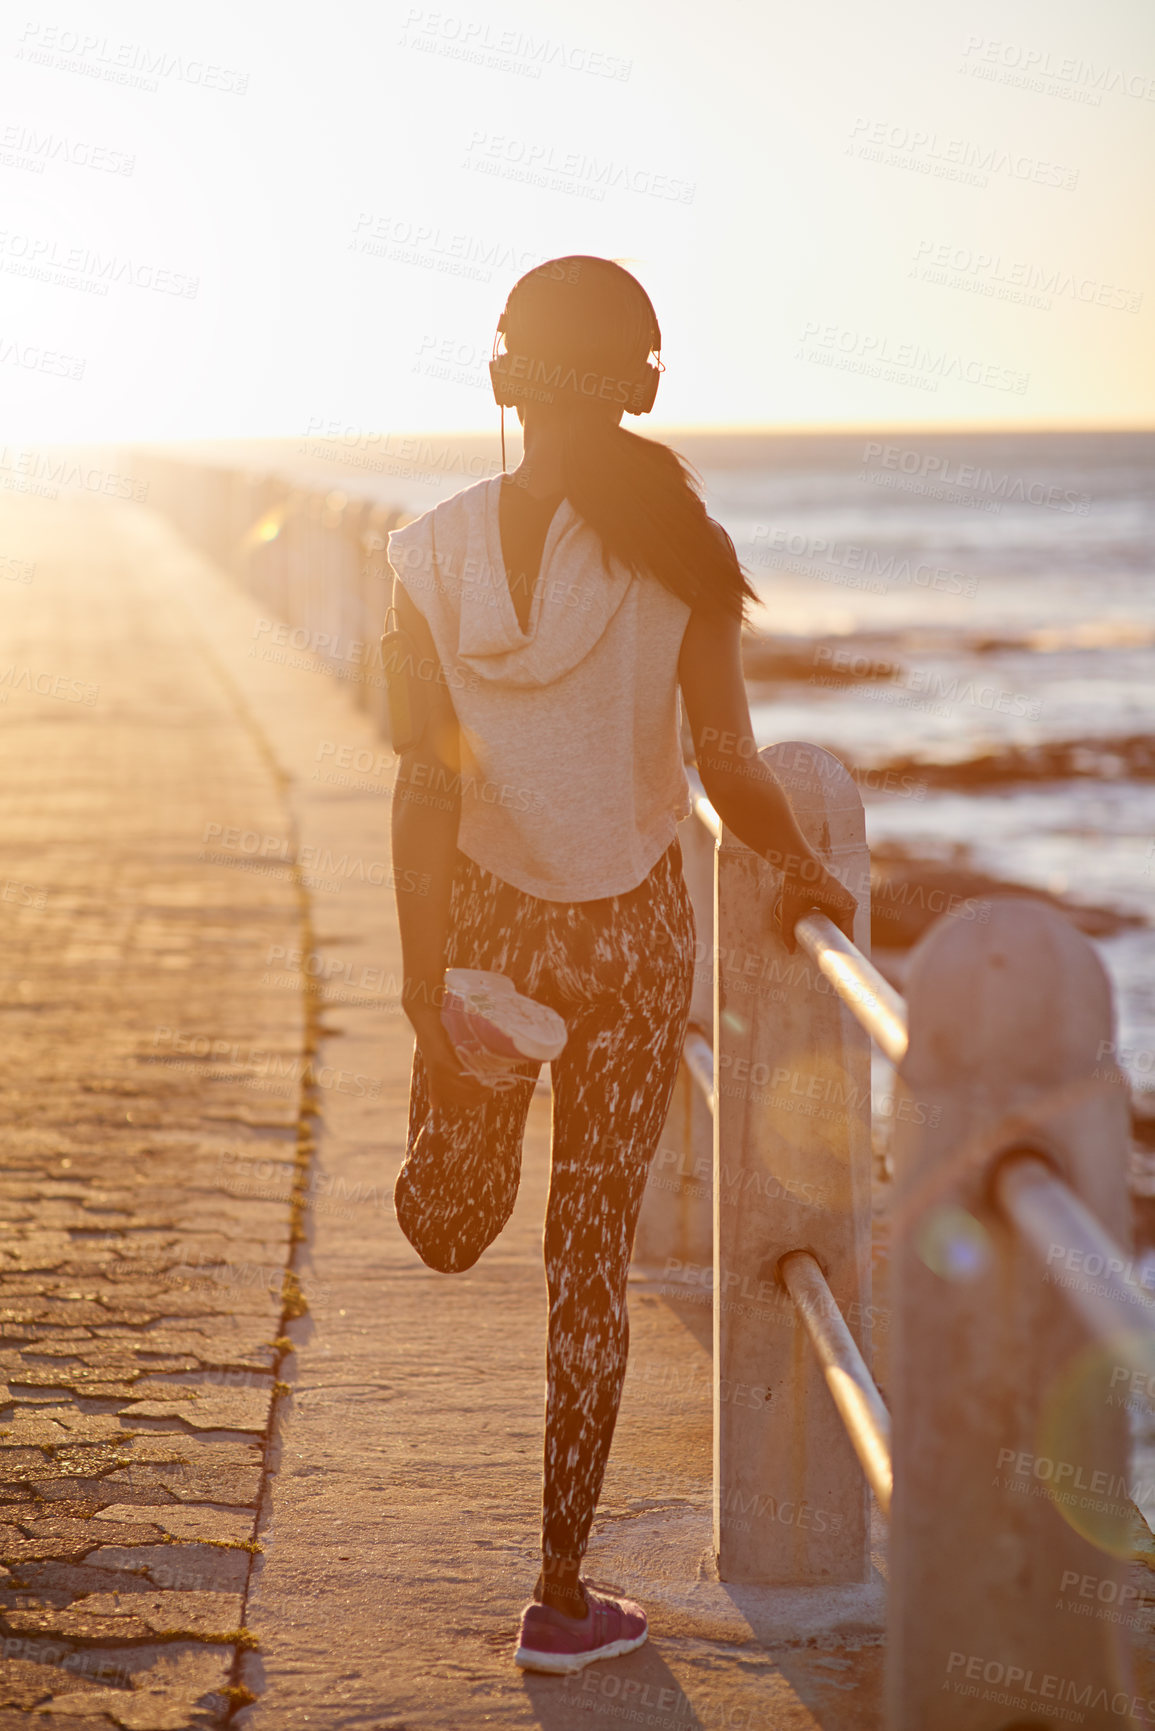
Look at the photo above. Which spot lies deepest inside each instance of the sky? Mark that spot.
(257, 220)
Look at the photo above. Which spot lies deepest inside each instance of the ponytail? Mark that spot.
(645, 502)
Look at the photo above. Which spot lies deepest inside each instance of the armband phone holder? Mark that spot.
(408, 694)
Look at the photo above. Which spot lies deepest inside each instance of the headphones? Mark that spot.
(519, 378)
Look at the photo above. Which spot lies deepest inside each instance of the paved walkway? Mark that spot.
(258, 1463)
(144, 1060)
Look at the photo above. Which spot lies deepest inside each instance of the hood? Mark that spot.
(574, 599)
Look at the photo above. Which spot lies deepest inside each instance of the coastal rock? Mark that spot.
(1120, 757)
(908, 894)
(813, 660)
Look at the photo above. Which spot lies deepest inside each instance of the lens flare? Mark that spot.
(1087, 1406)
(953, 1244)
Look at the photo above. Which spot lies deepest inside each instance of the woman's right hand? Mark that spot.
(449, 1084)
(818, 892)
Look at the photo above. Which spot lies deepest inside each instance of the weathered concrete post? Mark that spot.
(265, 547)
(328, 605)
(1010, 1444)
(316, 612)
(293, 556)
(791, 1171)
(261, 544)
(356, 626)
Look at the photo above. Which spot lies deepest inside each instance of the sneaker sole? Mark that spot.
(558, 1664)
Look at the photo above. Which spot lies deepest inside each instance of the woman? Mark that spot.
(555, 613)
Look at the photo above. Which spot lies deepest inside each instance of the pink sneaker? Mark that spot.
(551, 1641)
(494, 1028)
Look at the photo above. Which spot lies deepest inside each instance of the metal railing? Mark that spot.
(851, 1385)
(871, 999)
(881, 1011)
(1011, 1159)
(1057, 1226)
(1028, 1189)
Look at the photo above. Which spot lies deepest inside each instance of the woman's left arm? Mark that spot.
(743, 791)
(426, 817)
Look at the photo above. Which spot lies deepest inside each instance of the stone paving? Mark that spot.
(143, 1292)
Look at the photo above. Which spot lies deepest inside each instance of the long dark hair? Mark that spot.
(644, 500)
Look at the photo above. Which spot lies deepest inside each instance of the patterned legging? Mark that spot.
(619, 971)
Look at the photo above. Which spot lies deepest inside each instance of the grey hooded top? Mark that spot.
(572, 777)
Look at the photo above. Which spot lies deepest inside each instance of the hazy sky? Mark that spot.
(247, 219)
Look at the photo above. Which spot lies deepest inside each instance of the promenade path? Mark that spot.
(257, 1464)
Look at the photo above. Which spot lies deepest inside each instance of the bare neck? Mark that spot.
(541, 469)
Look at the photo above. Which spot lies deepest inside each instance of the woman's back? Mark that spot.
(572, 781)
(524, 520)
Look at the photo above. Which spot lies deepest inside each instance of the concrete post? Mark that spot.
(675, 1225)
(327, 575)
(359, 635)
(261, 555)
(791, 1171)
(242, 492)
(377, 593)
(280, 559)
(215, 521)
(316, 567)
(1008, 1592)
(358, 628)
(699, 867)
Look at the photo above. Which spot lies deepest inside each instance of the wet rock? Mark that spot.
(1124, 757)
(806, 660)
(908, 894)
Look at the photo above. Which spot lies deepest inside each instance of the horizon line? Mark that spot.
(659, 429)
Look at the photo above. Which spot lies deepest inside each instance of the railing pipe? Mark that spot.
(871, 998)
(703, 810)
(852, 1388)
(698, 1056)
(866, 994)
(1056, 1223)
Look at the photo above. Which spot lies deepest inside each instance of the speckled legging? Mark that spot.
(619, 971)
